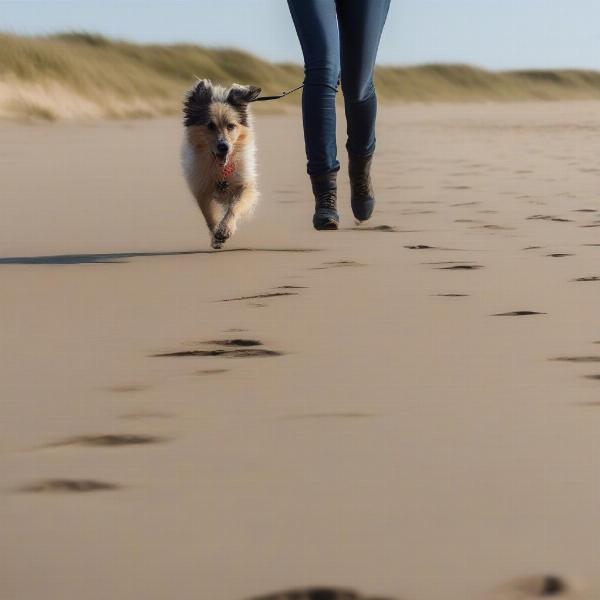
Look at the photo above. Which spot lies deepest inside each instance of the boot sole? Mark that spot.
(331, 226)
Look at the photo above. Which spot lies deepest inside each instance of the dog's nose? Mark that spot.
(222, 147)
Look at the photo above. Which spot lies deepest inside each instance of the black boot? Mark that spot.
(325, 191)
(362, 195)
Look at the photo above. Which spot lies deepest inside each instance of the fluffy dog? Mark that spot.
(218, 154)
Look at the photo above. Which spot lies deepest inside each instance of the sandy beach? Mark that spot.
(414, 410)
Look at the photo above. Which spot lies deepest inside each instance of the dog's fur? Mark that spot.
(223, 183)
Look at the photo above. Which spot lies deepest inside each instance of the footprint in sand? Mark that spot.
(427, 247)
(257, 296)
(451, 295)
(69, 485)
(492, 227)
(382, 228)
(236, 348)
(548, 218)
(578, 359)
(126, 389)
(240, 353)
(460, 204)
(211, 371)
(317, 594)
(461, 267)
(339, 263)
(519, 313)
(544, 586)
(236, 342)
(109, 440)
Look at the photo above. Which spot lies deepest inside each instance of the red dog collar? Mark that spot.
(226, 172)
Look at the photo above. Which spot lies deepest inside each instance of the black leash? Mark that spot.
(282, 95)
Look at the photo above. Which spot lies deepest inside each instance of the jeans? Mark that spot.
(338, 37)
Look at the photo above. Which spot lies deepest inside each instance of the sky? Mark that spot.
(495, 34)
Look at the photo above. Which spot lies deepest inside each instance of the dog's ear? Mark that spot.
(242, 94)
(203, 90)
(195, 107)
(239, 96)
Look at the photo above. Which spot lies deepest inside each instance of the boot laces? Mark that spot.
(362, 185)
(327, 200)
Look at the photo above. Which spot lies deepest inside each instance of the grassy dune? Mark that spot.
(85, 76)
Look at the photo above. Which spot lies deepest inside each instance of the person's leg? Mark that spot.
(360, 25)
(316, 25)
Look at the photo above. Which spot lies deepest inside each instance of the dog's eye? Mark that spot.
(231, 126)
(212, 126)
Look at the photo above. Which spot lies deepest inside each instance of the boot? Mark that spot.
(362, 195)
(325, 190)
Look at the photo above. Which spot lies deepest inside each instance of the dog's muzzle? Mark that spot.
(221, 152)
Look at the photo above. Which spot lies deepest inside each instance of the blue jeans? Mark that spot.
(338, 37)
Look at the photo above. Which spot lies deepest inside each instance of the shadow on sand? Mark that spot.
(122, 257)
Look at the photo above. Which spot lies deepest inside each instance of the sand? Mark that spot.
(397, 437)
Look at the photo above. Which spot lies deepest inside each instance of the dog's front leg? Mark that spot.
(226, 228)
(212, 214)
(228, 224)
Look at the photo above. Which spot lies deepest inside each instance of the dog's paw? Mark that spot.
(220, 236)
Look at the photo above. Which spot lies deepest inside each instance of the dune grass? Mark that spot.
(87, 76)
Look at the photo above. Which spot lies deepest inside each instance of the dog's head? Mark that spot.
(218, 116)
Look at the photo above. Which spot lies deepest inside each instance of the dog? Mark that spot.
(218, 154)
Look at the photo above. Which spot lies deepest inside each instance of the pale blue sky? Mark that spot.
(496, 34)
